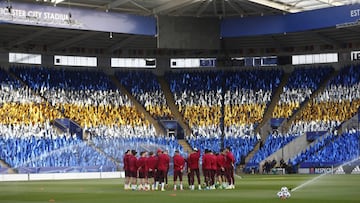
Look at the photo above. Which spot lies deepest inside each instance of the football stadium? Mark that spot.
(179, 101)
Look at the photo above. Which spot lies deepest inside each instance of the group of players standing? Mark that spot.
(150, 170)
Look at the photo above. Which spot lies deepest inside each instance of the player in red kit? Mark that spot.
(188, 169)
(133, 169)
(230, 160)
(220, 160)
(194, 168)
(163, 164)
(126, 169)
(213, 169)
(206, 166)
(142, 170)
(152, 168)
(167, 172)
(179, 165)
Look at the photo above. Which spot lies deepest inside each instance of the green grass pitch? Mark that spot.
(249, 189)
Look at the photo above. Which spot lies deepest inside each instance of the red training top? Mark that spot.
(220, 160)
(213, 162)
(152, 163)
(206, 161)
(194, 160)
(179, 163)
(126, 162)
(132, 163)
(163, 162)
(141, 164)
(230, 160)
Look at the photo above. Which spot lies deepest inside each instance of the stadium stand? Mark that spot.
(147, 91)
(209, 101)
(301, 157)
(240, 146)
(75, 94)
(248, 93)
(201, 95)
(198, 96)
(332, 151)
(247, 96)
(42, 149)
(337, 103)
(272, 143)
(302, 83)
(88, 97)
(116, 146)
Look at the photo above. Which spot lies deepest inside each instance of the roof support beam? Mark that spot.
(236, 8)
(115, 4)
(327, 39)
(30, 37)
(276, 5)
(181, 10)
(71, 41)
(140, 6)
(331, 3)
(121, 43)
(203, 7)
(223, 8)
(277, 42)
(215, 8)
(171, 5)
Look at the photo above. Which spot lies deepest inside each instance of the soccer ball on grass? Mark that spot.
(284, 193)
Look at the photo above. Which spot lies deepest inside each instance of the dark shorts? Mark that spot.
(151, 174)
(161, 176)
(220, 172)
(133, 174)
(230, 171)
(142, 174)
(207, 172)
(127, 173)
(177, 174)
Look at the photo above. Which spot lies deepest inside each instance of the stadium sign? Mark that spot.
(355, 13)
(338, 16)
(75, 18)
(38, 17)
(355, 55)
(320, 170)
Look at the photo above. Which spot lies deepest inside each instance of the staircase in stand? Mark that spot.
(270, 109)
(185, 145)
(286, 125)
(10, 170)
(252, 153)
(116, 160)
(268, 114)
(171, 103)
(159, 129)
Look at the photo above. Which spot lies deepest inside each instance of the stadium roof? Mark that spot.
(56, 40)
(200, 8)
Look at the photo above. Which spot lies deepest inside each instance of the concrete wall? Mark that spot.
(4, 59)
(163, 65)
(352, 123)
(188, 32)
(290, 150)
